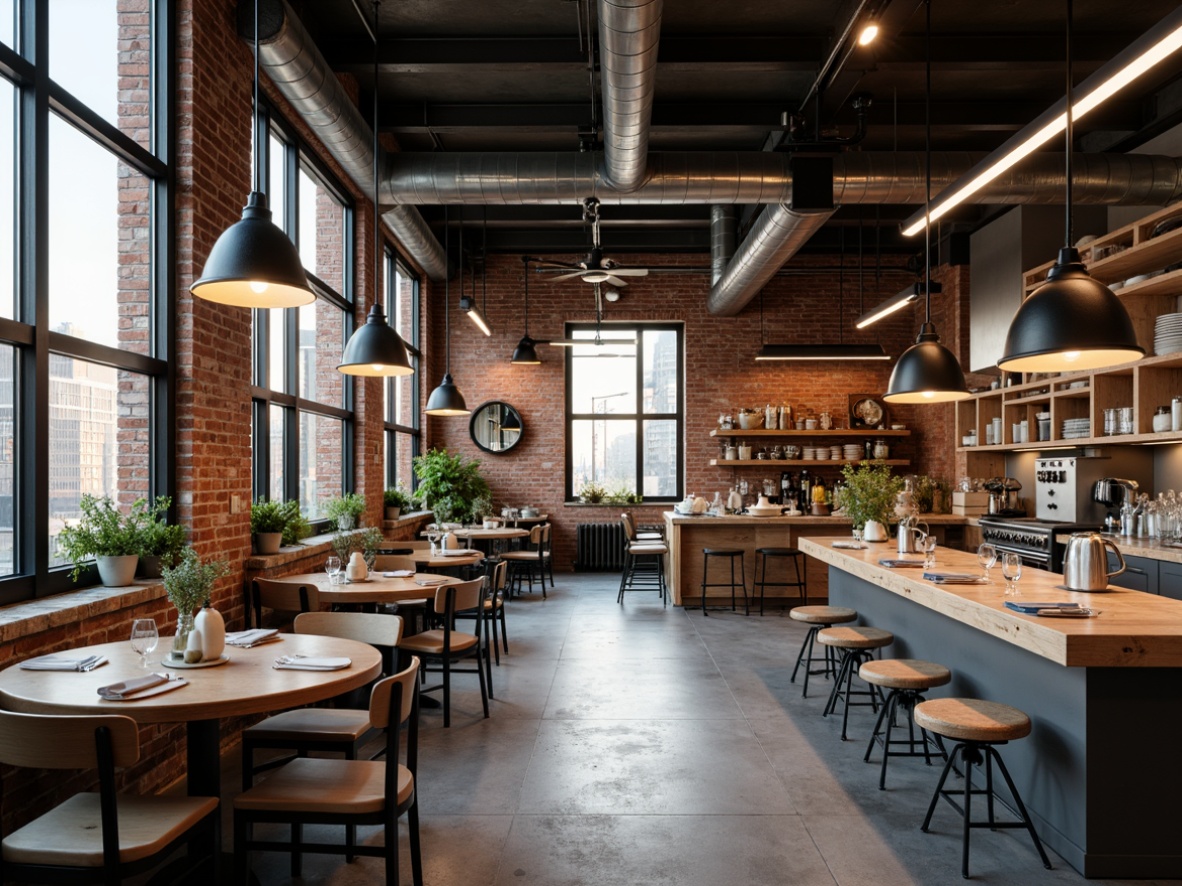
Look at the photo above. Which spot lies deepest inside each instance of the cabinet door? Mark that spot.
(1140, 574)
(1170, 580)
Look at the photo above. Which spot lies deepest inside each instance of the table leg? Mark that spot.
(204, 758)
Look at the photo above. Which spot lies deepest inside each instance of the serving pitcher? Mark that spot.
(1085, 564)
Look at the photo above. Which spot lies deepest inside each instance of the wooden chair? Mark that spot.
(644, 562)
(280, 596)
(319, 790)
(391, 562)
(446, 645)
(533, 560)
(494, 607)
(634, 535)
(103, 837)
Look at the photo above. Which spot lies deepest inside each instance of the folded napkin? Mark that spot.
(850, 545)
(399, 573)
(455, 552)
(312, 663)
(1031, 607)
(253, 637)
(426, 582)
(954, 578)
(141, 687)
(64, 662)
(891, 563)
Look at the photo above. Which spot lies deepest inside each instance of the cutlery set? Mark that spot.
(64, 663)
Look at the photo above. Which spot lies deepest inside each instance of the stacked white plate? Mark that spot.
(835, 453)
(1074, 428)
(810, 453)
(1167, 334)
(852, 452)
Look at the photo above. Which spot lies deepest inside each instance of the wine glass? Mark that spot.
(144, 637)
(333, 567)
(987, 557)
(929, 552)
(1011, 569)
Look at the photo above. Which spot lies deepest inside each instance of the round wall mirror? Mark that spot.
(495, 427)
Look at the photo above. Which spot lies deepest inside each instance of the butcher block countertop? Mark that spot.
(1133, 629)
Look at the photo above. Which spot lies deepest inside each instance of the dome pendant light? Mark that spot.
(376, 349)
(526, 352)
(1073, 321)
(446, 400)
(253, 264)
(927, 372)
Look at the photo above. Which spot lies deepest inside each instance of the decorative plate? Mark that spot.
(181, 665)
(866, 411)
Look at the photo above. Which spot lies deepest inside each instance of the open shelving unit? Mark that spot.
(858, 433)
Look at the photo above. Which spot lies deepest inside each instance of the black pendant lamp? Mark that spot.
(1073, 321)
(927, 372)
(446, 400)
(376, 349)
(254, 264)
(526, 352)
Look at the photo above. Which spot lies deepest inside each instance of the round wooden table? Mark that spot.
(378, 589)
(427, 560)
(247, 684)
(496, 537)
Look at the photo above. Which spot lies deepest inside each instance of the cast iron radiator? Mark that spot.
(599, 547)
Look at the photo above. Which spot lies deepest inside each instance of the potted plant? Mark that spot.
(105, 533)
(396, 501)
(188, 585)
(295, 527)
(592, 493)
(869, 497)
(162, 542)
(268, 519)
(450, 486)
(345, 512)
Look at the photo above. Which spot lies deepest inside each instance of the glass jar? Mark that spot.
(184, 627)
(881, 449)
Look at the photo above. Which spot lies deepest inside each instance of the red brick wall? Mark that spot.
(721, 372)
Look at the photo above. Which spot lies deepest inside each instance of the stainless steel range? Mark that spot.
(1032, 539)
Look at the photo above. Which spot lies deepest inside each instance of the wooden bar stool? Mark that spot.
(857, 645)
(906, 678)
(977, 726)
(761, 577)
(730, 554)
(818, 617)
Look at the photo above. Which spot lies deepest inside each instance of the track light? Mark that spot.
(868, 34)
(468, 304)
(908, 296)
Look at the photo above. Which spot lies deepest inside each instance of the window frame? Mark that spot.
(299, 156)
(393, 266)
(638, 417)
(38, 96)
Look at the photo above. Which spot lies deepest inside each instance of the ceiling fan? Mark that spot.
(595, 268)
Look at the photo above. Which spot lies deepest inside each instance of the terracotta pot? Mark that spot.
(267, 542)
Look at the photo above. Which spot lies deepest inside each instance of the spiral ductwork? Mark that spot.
(629, 34)
(723, 235)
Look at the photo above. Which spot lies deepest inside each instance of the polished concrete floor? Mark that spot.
(635, 745)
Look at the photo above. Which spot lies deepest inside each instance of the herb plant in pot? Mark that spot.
(105, 533)
(189, 585)
(162, 541)
(268, 519)
(396, 501)
(869, 498)
(451, 486)
(345, 512)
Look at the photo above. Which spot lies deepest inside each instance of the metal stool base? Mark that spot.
(924, 746)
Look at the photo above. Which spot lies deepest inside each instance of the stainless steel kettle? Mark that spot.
(1085, 565)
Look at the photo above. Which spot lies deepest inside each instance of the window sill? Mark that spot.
(30, 617)
(321, 544)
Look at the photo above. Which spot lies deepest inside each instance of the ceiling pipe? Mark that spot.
(290, 58)
(629, 34)
(723, 235)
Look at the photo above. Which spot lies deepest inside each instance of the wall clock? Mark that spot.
(867, 411)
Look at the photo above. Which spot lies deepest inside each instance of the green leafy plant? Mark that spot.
(592, 493)
(342, 544)
(267, 516)
(190, 582)
(296, 527)
(369, 541)
(345, 512)
(159, 538)
(923, 494)
(870, 492)
(622, 496)
(396, 498)
(450, 485)
(102, 531)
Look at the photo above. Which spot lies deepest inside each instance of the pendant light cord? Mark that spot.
(446, 294)
(525, 264)
(377, 223)
(1068, 134)
(927, 151)
(255, 177)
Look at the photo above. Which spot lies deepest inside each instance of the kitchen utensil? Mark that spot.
(1085, 564)
(1113, 492)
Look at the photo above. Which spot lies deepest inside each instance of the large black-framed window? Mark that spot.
(86, 272)
(625, 412)
(401, 404)
(303, 407)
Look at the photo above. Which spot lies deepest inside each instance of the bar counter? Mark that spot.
(688, 535)
(1104, 696)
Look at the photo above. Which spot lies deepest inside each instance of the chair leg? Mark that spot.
(416, 854)
(391, 837)
(504, 635)
(247, 763)
(297, 857)
(484, 659)
(242, 834)
(1005, 773)
(484, 692)
(927, 819)
(447, 691)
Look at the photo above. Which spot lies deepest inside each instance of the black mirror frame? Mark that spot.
(478, 414)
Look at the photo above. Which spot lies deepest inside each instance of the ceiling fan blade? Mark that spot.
(558, 266)
(615, 281)
(576, 274)
(630, 272)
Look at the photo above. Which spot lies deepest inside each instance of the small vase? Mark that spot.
(213, 632)
(874, 531)
(184, 627)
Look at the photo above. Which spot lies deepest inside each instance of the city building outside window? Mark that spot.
(84, 350)
(402, 392)
(625, 412)
(302, 404)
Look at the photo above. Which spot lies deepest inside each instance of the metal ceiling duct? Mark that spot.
(290, 58)
(629, 34)
(724, 231)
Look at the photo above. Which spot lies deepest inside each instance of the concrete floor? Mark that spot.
(634, 746)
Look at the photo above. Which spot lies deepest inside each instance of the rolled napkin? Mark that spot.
(399, 573)
(253, 637)
(312, 663)
(141, 687)
(64, 662)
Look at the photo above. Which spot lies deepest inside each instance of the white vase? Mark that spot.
(874, 531)
(356, 569)
(213, 633)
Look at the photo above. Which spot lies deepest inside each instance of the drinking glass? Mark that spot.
(929, 551)
(333, 567)
(144, 637)
(1011, 569)
(987, 557)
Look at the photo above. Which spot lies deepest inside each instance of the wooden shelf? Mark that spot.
(832, 432)
(802, 462)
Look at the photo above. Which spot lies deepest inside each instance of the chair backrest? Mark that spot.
(544, 537)
(374, 628)
(498, 577)
(405, 547)
(42, 741)
(629, 529)
(466, 596)
(285, 596)
(390, 562)
(379, 698)
(535, 535)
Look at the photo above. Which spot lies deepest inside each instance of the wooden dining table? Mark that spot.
(496, 537)
(375, 589)
(427, 560)
(246, 684)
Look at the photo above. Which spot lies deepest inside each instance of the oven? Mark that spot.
(1032, 539)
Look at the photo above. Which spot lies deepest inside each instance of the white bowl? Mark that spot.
(756, 511)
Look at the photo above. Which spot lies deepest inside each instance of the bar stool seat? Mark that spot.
(977, 726)
(760, 579)
(730, 554)
(906, 678)
(817, 617)
(856, 644)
